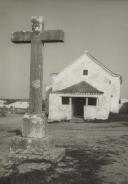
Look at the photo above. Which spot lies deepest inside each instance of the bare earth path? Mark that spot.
(96, 153)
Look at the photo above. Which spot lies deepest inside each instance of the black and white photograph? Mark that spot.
(63, 91)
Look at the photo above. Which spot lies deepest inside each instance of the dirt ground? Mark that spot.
(96, 153)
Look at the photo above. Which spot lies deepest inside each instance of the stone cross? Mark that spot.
(34, 122)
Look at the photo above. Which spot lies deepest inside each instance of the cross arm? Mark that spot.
(46, 36)
(52, 36)
(21, 37)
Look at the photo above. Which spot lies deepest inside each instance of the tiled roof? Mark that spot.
(82, 87)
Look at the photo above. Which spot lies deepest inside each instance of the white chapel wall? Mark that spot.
(57, 111)
(98, 78)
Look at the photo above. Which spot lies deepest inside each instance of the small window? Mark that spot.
(85, 72)
(65, 100)
(92, 101)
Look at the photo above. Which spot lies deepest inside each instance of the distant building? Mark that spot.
(18, 106)
(85, 89)
(2, 103)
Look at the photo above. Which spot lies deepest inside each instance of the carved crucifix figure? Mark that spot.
(37, 37)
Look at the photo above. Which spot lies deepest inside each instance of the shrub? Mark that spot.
(124, 108)
(2, 112)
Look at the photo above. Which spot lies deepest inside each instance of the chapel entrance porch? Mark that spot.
(78, 107)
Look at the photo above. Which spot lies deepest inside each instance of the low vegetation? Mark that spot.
(96, 153)
(124, 108)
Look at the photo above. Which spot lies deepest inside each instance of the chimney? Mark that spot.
(53, 75)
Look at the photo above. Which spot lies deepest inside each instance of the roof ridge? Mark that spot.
(87, 53)
(101, 64)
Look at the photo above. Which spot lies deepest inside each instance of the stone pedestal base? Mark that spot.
(24, 150)
(34, 148)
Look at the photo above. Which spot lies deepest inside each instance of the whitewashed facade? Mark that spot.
(85, 89)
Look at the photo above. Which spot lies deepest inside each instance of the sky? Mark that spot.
(99, 26)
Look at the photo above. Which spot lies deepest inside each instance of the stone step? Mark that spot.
(28, 149)
(77, 120)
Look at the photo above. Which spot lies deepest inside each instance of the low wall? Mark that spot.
(95, 112)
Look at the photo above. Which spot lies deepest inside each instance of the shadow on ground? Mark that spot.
(78, 167)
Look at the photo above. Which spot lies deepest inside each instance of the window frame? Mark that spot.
(85, 72)
(65, 100)
(92, 102)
